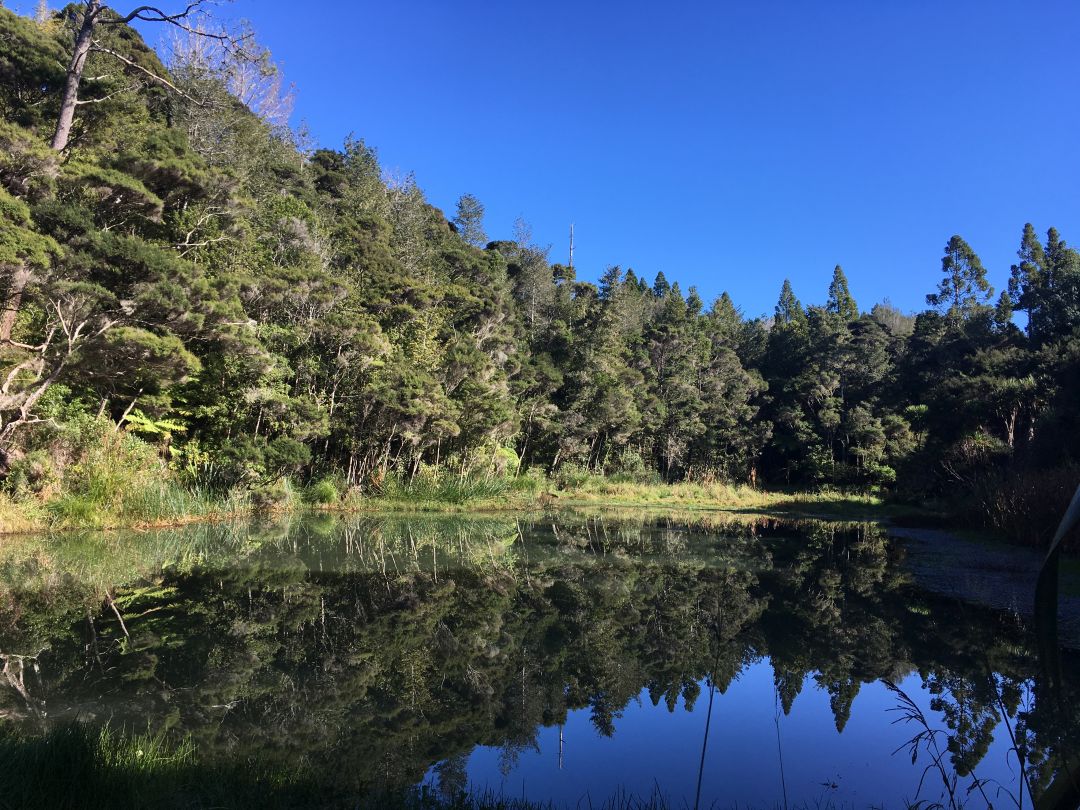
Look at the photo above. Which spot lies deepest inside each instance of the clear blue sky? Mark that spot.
(727, 144)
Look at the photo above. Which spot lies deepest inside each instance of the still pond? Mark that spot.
(570, 658)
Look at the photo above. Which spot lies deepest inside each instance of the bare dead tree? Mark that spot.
(248, 74)
(92, 18)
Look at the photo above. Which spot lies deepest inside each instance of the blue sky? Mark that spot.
(728, 144)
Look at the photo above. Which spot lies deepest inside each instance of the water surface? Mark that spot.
(563, 659)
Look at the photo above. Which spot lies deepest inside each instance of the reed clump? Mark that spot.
(1024, 505)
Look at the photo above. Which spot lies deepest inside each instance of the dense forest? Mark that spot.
(189, 284)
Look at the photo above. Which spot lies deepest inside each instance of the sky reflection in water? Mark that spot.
(655, 751)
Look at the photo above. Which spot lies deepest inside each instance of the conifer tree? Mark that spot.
(964, 290)
(1028, 278)
(469, 220)
(840, 301)
(788, 308)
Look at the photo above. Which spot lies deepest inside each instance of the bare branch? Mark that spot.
(106, 97)
(27, 346)
(153, 76)
(141, 12)
(5, 389)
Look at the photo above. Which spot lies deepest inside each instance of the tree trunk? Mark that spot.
(20, 276)
(1010, 426)
(70, 99)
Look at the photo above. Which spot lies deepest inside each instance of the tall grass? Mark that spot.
(709, 494)
(19, 516)
(447, 488)
(1025, 505)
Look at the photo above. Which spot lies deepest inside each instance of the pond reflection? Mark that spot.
(559, 657)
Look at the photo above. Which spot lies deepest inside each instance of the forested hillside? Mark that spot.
(191, 293)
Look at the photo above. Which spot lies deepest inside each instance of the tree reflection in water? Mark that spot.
(377, 648)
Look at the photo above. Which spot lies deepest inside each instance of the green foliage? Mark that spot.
(324, 491)
(840, 301)
(469, 221)
(429, 486)
(630, 466)
(31, 71)
(20, 244)
(32, 474)
(139, 422)
(275, 493)
(531, 482)
(573, 476)
(965, 288)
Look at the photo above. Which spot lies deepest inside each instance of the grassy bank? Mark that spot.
(167, 504)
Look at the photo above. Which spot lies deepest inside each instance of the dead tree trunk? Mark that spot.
(20, 277)
(70, 99)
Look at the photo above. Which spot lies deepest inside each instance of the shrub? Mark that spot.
(33, 474)
(572, 475)
(273, 494)
(630, 468)
(531, 482)
(323, 491)
(75, 509)
(506, 461)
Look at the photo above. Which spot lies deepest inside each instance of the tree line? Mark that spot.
(184, 266)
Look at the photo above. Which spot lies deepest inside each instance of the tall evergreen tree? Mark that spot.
(1061, 288)
(840, 300)
(469, 220)
(788, 308)
(965, 289)
(1027, 280)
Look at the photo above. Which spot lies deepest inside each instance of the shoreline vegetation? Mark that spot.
(122, 485)
(22, 518)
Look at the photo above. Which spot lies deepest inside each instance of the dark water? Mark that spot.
(568, 659)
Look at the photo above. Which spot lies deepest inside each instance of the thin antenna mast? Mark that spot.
(571, 245)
